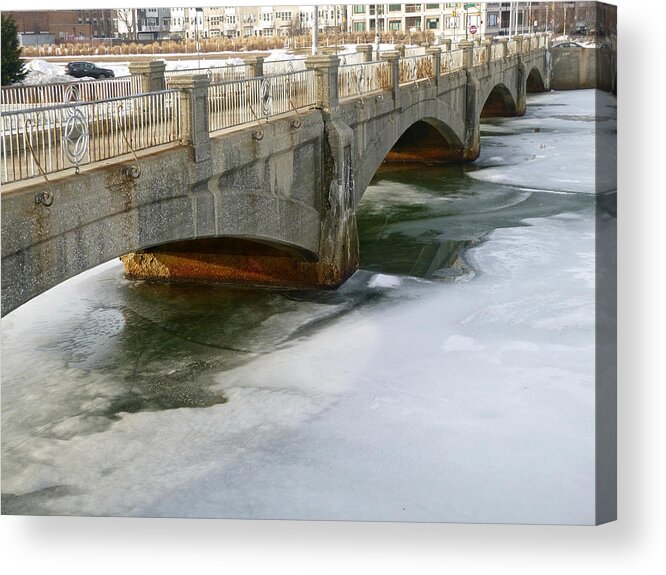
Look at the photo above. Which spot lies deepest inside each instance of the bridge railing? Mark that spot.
(415, 68)
(496, 52)
(415, 51)
(451, 61)
(512, 47)
(16, 98)
(245, 101)
(216, 73)
(43, 141)
(351, 59)
(272, 67)
(479, 55)
(359, 79)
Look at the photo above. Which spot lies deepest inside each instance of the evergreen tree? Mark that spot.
(12, 66)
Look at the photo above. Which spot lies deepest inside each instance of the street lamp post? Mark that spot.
(315, 31)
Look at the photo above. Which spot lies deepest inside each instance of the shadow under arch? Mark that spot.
(535, 81)
(426, 141)
(224, 259)
(499, 103)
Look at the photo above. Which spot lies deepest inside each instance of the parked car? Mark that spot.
(87, 70)
(568, 45)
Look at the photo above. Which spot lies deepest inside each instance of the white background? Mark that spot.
(634, 544)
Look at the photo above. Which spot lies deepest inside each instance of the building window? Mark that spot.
(451, 22)
(394, 25)
(394, 7)
(359, 8)
(410, 8)
(432, 6)
(492, 19)
(359, 26)
(432, 23)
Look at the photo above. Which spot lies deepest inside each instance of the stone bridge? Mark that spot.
(267, 202)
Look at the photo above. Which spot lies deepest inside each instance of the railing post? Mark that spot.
(401, 49)
(446, 45)
(255, 65)
(504, 51)
(325, 68)
(194, 113)
(468, 54)
(393, 59)
(366, 50)
(151, 74)
(519, 44)
(488, 45)
(436, 54)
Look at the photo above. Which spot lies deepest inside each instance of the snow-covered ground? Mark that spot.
(44, 72)
(470, 400)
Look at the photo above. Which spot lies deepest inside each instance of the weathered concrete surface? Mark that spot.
(270, 205)
(584, 68)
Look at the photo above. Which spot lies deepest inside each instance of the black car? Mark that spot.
(87, 70)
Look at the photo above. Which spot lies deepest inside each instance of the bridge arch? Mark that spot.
(500, 101)
(427, 139)
(535, 81)
(224, 259)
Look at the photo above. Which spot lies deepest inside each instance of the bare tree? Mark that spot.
(127, 16)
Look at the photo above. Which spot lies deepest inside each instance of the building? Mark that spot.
(453, 20)
(65, 25)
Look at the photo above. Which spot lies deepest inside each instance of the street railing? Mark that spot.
(272, 67)
(43, 141)
(496, 52)
(452, 61)
(360, 79)
(479, 56)
(215, 74)
(416, 68)
(15, 98)
(245, 101)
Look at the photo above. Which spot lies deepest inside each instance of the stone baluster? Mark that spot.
(393, 59)
(468, 53)
(436, 54)
(194, 113)
(519, 44)
(325, 67)
(151, 74)
(504, 49)
(488, 45)
(255, 66)
(366, 50)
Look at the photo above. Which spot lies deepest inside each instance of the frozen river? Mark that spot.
(450, 379)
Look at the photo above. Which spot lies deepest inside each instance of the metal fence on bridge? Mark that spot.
(245, 101)
(47, 140)
(96, 127)
(15, 98)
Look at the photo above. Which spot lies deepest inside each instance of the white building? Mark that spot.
(456, 20)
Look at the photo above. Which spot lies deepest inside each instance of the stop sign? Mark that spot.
(472, 29)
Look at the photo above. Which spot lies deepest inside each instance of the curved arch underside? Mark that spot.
(230, 259)
(500, 103)
(426, 141)
(535, 82)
